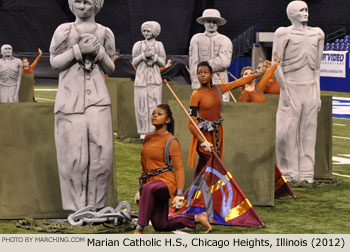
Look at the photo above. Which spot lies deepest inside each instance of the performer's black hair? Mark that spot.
(171, 125)
(205, 63)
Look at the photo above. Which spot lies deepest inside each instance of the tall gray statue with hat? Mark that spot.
(210, 46)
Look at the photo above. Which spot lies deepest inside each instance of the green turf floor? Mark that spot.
(319, 209)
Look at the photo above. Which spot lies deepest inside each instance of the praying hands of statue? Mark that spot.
(150, 52)
(88, 44)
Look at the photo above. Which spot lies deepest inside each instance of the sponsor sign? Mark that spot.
(333, 64)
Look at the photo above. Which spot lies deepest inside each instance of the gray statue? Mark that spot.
(299, 77)
(147, 55)
(210, 46)
(10, 75)
(82, 52)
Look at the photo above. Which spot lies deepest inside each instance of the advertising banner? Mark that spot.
(333, 64)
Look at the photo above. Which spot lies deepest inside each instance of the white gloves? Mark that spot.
(178, 201)
(137, 198)
(207, 146)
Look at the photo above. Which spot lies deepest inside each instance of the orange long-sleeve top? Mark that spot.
(208, 102)
(152, 158)
(257, 94)
(272, 86)
(32, 66)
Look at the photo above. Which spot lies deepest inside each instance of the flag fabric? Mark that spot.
(216, 192)
(282, 187)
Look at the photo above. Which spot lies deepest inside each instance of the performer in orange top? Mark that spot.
(251, 91)
(205, 107)
(159, 184)
(28, 69)
(272, 86)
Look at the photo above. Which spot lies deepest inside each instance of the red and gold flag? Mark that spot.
(216, 192)
(282, 187)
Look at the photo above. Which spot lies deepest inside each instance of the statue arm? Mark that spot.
(317, 70)
(279, 44)
(160, 56)
(193, 59)
(20, 67)
(223, 60)
(137, 57)
(62, 57)
(106, 53)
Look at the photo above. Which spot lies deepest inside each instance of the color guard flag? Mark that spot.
(216, 192)
(282, 187)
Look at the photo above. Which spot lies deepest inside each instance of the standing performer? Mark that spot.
(10, 75)
(159, 183)
(148, 55)
(299, 77)
(205, 107)
(210, 46)
(28, 69)
(82, 52)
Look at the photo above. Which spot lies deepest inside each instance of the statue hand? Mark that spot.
(150, 52)
(89, 44)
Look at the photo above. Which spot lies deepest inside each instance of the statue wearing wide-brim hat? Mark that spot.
(211, 15)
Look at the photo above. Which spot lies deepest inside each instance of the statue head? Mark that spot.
(297, 11)
(211, 19)
(6, 50)
(150, 29)
(211, 15)
(76, 5)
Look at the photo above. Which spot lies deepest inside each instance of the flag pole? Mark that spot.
(222, 80)
(133, 65)
(232, 75)
(188, 70)
(185, 110)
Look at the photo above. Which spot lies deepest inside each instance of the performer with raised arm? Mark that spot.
(205, 107)
(253, 92)
(300, 47)
(28, 69)
(82, 52)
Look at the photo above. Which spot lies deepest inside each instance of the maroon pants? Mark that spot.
(154, 206)
(202, 160)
